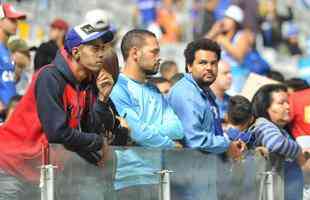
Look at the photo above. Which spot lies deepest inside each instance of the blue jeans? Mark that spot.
(294, 181)
(13, 189)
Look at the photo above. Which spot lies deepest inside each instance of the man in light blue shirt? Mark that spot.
(194, 102)
(152, 121)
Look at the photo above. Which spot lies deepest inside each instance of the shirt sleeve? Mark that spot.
(53, 117)
(144, 134)
(191, 116)
(270, 136)
(171, 126)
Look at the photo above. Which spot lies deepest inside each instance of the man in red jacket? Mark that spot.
(66, 103)
(300, 115)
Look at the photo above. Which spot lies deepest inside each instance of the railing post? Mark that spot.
(47, 182)
(47, 175)
(164, 187)
(266, 185)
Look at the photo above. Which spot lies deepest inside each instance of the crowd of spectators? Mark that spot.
(78, 96)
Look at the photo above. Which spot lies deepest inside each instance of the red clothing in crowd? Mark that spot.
(300, 115)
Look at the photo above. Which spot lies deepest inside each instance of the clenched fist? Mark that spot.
(104, 84)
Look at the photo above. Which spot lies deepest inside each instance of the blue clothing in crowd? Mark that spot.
(147, 9)
(219, 11)
(222, 104)
(7, 75)
(235, 134)
(198, 112)
(153, 123)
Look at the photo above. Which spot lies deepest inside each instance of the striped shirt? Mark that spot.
(275, 139)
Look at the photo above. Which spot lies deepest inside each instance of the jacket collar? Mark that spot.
(203, 91)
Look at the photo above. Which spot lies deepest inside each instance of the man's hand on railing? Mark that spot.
(306, 163)
(105, 150)
(178, 145)
(236, 149)
(123, 123)
(263, 151)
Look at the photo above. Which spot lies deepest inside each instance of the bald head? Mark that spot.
(224, 77)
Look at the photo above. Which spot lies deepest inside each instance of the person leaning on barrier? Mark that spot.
(66, 103)
(197, 110)
(150, 118)
(271, 111)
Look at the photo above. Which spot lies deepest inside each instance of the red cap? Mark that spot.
(10, 12)
(60, 24)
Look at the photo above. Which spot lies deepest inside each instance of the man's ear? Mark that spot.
(134, 53)
(189, 68)
(76, 53)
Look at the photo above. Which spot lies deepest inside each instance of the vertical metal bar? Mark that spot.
(164, 187)
(269, 186)
(47, 182)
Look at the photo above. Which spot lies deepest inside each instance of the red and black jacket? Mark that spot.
(55, 109)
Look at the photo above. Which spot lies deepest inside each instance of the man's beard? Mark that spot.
(204, 84)
(149, 72)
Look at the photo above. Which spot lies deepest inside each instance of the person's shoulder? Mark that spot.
(122, 81)
(49, 74)
(182, 85)
(183, 89)
(263, 123)
(121, 87)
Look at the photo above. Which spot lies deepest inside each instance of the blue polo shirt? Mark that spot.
(198, 112)
(7, 74)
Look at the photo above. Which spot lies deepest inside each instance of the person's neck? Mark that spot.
(133, 71)
(3, 37)
(217, 92)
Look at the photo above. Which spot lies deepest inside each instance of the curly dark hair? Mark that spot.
(200, 44)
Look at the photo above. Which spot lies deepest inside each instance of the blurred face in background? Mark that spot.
(204, 67)
(228, 24)
(9, 26)
(22, 61)
(170, 72)
(56, 34)
(279, 108)
(224, 76)
(164, 87)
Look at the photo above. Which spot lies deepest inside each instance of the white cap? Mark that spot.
(98, 18)
(234, 12)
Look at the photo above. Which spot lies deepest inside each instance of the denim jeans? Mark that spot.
(294, 181)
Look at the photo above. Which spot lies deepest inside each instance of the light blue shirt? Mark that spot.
(153, 123)
(197, 115)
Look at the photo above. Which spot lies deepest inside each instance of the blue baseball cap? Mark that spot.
(85, 33)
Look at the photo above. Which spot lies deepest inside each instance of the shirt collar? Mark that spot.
(205, 91)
